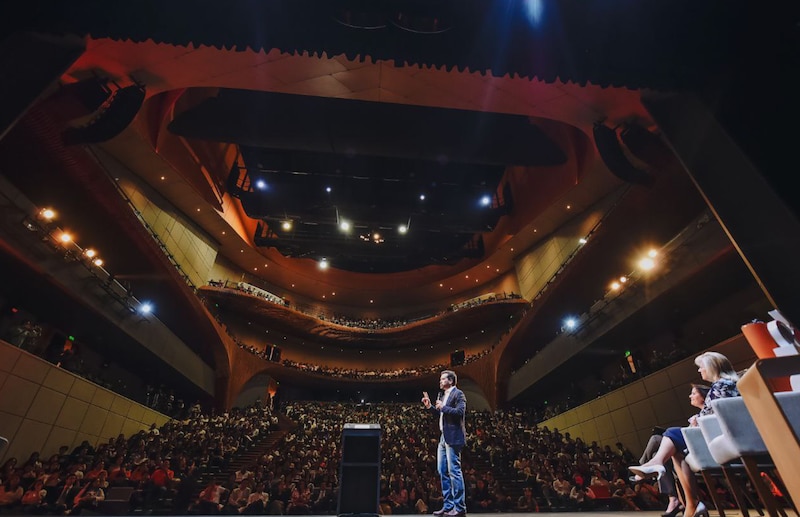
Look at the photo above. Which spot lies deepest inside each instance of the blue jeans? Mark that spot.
(448, 460)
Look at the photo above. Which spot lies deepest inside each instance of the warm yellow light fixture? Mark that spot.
(647, 263)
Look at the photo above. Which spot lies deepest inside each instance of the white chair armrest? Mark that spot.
(737, 424)
(699, 457)
(709, 426)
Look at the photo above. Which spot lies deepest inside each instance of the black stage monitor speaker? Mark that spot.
(359, 479)
(457, 358)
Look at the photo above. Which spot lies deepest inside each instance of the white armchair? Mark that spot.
(739, 441)
(701, 461)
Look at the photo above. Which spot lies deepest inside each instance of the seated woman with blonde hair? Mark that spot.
(716, 369)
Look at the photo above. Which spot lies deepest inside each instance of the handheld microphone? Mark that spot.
(440, 395)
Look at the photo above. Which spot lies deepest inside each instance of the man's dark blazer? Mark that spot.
(453, 430)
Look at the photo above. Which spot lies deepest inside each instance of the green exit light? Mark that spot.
(71, 338)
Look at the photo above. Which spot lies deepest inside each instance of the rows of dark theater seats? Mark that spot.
(89, 364)
(159, 469)
(647, 362)
(368, 324)
(510, 465)
(361, 323)
(352, 373)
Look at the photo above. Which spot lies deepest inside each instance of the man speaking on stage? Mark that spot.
(451, 406)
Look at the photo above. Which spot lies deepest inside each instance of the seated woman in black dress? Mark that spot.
(716, 369)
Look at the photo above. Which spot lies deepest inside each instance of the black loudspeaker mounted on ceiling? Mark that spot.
(457, 358)
(637, 139)
(92, 92)
(359, 14)
(610, 149)
(117, 114)
(275, 353)
(360, 472)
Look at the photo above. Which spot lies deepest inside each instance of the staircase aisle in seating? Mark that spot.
(245, 458)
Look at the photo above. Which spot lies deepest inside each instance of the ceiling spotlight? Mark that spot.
(261, 185)
(582, 240)
(344, 225)
(65, 237)
(90, 253)
(328, 190)
(422, 197)
(615, 286)
(623, 279)
(98, 262)
(486, 201)
(647, 263)
(570, 323)
(47, 213)
(286, 225)
(652, 253)
(402, 229)
(323, 263)
(146, 308)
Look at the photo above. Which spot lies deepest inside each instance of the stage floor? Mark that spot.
(603, 513)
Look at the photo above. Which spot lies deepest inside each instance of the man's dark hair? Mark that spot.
(451, 375)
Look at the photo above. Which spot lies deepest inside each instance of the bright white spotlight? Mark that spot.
(534, 11)
(646, 264)
(286, 225)
(403, 229)
(422, 197)
(47, 213)
(486, 201)
(623, 279)
(323, 263)
(570, 323)
(328, 190)
(65, 237)
(98, 262)
(146, 308)
(344, 225)
(261, 185)
(582, 240)
(90, 253)
(652, 253)
(615, 286)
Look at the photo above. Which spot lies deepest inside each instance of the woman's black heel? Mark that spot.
(701, 511)
(678, 509)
